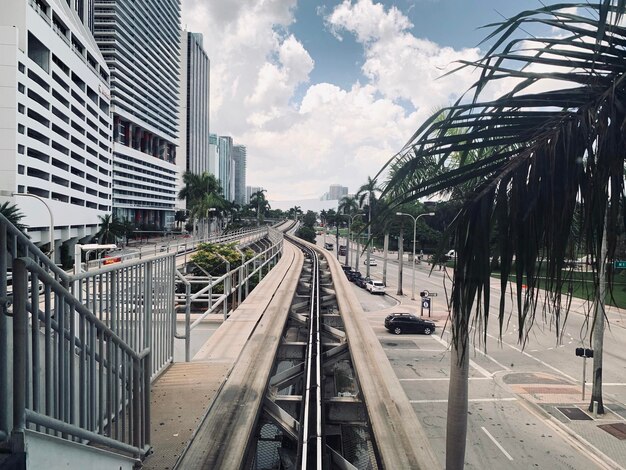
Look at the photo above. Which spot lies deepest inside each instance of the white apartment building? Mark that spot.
(140, 42)
(55, 125)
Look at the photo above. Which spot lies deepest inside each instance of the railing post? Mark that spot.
(137, 402)
(20, 344)
(188, 322)
(147, 361)
(147, 306)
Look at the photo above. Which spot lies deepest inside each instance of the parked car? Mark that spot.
(373, 262)
(346, 269)
(361, 282)
(375, 287)
(329, 246)
(399, 323)
(354, 275)
(342, 250)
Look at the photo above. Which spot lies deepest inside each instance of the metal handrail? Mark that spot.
(242, 273)
(67, 388)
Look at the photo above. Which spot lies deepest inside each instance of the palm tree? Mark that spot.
(349, 206)
(544, 151)
(258, 201)
(12, 213)
(111, 228)
(368, 190)
(201, 192)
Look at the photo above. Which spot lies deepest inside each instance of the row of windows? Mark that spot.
(44, 10)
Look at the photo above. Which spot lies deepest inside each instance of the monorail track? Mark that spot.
(295, 397)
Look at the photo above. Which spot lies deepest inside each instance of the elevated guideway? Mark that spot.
(229, 437)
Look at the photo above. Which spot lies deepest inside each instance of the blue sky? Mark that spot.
(326, 91)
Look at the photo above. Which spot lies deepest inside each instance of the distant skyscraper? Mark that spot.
(239, 157)
(250, 190)
(54, 108)
(225, 150)
(214, 156)
(195, 65)
(336, 192)
(141, 43)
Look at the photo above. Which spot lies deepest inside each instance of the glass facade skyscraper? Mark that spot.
(140, 42)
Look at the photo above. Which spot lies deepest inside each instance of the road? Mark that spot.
(512, 390)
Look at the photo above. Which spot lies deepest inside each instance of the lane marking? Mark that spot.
(536, 359)
(508, 456)
(471, 400)
(472, 364)
(425, 379)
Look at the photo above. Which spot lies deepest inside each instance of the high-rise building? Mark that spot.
(195, 66)
(225, 150)
(250, 190)
(140, 42)
(336, 192)
(239, 159)
(55, 137)
(214, 155)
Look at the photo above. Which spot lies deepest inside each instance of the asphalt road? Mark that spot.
(503, 430)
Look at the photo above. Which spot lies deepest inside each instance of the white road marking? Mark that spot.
(425, 379)
(471, 400)
(536, 359)
(508, 456)
(473, 364)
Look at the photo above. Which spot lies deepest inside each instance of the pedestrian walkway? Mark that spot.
(560, 403)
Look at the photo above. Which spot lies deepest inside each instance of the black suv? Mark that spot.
(399, 323)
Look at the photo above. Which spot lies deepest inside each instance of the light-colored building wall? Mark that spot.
(55, 125)
(239, 158)
(225, 146)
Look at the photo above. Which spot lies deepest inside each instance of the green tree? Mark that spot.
(555, 141)
(111, 228)
(12, 213)
(260, 205)
(367, 193)
(203, 194)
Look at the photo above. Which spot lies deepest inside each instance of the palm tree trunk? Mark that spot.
(400, 261)
(347, 263)
(385, 252)
(598, 326)
(456, 431)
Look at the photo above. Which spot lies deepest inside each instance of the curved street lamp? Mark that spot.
(414, 233)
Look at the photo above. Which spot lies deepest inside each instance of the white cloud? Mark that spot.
(296, 149)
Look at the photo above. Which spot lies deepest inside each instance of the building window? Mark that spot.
(38, 53)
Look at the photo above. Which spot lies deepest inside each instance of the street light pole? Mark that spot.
(347, 263)
(51, 255)
(414, 242)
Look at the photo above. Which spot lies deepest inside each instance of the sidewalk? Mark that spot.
(559, 402)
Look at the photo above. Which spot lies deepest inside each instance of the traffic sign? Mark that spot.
(426, 303)
(619, 264)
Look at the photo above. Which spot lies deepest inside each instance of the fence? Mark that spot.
(78, 352)
(234, 285)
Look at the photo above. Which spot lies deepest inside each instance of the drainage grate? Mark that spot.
(617, 430)
(573, 413)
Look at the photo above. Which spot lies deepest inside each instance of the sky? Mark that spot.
(324, 92)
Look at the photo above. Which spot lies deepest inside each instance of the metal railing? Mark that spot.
(75, 378)
(78, 352)
(76, 373)
(135, 300)
(178, 246)
(234, 284)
